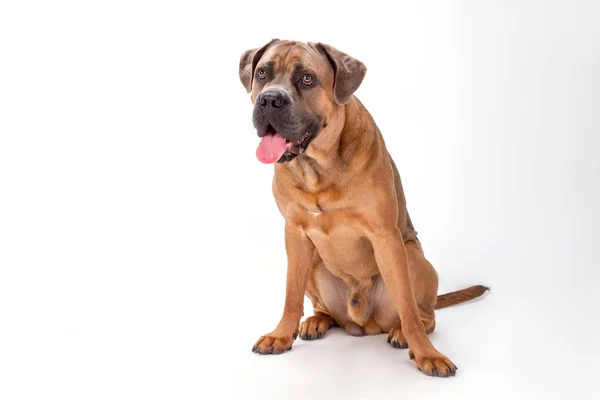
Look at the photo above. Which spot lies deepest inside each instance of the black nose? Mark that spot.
(272, 100)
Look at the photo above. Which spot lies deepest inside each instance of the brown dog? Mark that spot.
(350, 243)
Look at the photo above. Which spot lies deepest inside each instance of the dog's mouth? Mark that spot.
(274, 147)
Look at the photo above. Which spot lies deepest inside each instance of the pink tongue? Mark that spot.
(271, 148)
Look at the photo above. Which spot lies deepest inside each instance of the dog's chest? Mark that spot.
(343, 249)
(339, 238)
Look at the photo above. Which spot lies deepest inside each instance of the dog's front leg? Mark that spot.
(300, 251)
(391, 258)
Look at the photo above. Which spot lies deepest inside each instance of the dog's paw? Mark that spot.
(274, 343)
(396, 339)
(315, 327)
(435, 364)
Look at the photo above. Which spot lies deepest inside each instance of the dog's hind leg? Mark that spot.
(329, 297)
(396, 337)
(424, 283)
(316, 326)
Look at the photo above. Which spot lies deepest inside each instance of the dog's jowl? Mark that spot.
(351, 246)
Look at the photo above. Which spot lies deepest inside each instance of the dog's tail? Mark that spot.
(460, 296)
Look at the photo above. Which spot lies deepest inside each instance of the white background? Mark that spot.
(141, 252)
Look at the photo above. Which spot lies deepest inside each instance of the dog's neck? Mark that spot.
(338, 150)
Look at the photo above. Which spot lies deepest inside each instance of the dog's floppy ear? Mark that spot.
(248, 62)
(349, 72)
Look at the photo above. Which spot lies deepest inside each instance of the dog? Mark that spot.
(350, 243)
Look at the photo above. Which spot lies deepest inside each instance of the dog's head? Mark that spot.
(296, 88)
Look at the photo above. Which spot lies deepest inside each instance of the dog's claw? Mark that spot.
(317, 325)
(398, 345)
(272, 344)
(434, 364)
(396, 339)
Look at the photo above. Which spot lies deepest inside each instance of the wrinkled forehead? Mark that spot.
(288, 56)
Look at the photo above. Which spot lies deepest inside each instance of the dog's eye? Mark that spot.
(262, 74)
(307, 79)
